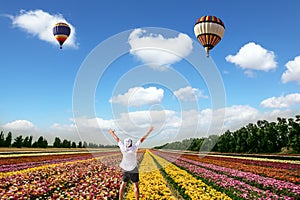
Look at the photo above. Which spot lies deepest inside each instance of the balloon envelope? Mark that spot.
(209, 30)
(61, 32)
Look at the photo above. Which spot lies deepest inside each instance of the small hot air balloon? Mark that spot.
(61, 32)
(209, 30)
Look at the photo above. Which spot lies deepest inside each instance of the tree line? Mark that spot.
(41, 142)
(262, 137)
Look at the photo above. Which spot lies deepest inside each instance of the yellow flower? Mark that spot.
(194, 188)
(152, 184)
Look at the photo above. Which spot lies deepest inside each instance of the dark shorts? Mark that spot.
(132, 175)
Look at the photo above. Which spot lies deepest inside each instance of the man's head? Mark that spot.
(128, 142)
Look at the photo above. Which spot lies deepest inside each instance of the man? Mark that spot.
(129, 161)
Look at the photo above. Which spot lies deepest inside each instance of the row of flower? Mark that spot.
(266, 183)
(236, 183)
(188, 185)
(278, 163)
(283, 173)
(152, 184)
(81, 179)
(287, 171)
(23, 158)
(16, 163)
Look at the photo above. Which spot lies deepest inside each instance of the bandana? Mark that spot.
(128, 142)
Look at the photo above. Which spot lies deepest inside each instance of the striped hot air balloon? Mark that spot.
(209, 30)
(61, 32)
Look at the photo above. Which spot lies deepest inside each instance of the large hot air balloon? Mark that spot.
(61, 32)
(209, 30)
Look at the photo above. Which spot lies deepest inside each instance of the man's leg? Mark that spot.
(122, 188)
(136, 190)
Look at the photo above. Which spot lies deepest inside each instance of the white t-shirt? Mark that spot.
(129, 161)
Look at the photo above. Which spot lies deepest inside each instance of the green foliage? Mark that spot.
(73, 145)
(57, 142)
(66, 144)
(2, 140)
(42, 143)
(18, 142)
(262, 137)
(80, 144)
(8, 140)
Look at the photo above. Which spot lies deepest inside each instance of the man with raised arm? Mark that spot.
(129, 161)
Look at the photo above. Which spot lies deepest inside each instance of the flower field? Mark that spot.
(239, 180)
(163, 175)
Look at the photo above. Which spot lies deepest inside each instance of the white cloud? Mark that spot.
(139, 96)
(142, 119)
(40, 23)
(168, 125)
(282, 101)
(239, 115)
(64, 127)
(157, 51)
(129, 124)
(24, 128)
(253, 57)
(293, 71)
(220, 120)
(189, 94)
(22, 125)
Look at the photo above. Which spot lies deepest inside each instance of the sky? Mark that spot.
(131, 64)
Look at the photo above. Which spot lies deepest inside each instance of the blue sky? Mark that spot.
(256, 68)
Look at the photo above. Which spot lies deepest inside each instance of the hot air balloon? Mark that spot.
(209, 30)
(61, 32)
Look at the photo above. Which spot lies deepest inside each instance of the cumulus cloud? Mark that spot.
(128, 124)
(282, 101)
(139, 96)
(157, 51)
(239, 115)
(253, 57)
(64, 127)
(93, 123)
(39, 23)
(169, 125)
(19, 125)
(293, 71)
(24, 128)
(189, 94)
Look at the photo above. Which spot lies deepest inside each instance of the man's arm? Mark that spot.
(146, 135)
(114, 135)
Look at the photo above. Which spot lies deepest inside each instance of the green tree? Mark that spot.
(241, 142)
(57, 143)
(209, 143)
(85, 144)
(196, 144)
(252, 139)
(262, 136)
(282, 132)
(35, 145)
(66, 144)
(80, 144)
(73, 145)
(8, 140)
(18, 142)
(224, 142)
(272, 135)
(30, 141)
(27, 141)
(2, 140)
(294, 134)
(42, 143)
